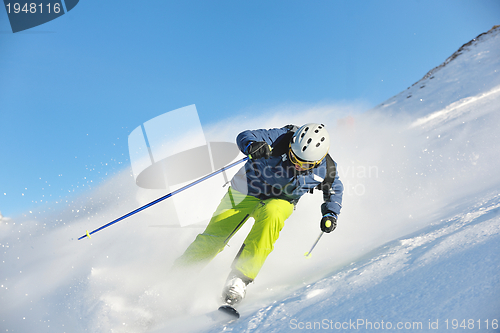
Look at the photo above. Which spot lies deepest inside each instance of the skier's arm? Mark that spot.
(333, 197)
(246, 138)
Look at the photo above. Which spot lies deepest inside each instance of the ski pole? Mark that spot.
(308, 254)
(87, 234)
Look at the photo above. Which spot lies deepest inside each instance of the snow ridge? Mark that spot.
(464, 48)
(472, 70)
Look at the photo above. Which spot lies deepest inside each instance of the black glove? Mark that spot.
(328, 223)
(259, 149)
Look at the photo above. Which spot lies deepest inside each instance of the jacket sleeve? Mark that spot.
(244, 139)
(333, 197)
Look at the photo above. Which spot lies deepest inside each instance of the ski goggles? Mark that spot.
(305, 165)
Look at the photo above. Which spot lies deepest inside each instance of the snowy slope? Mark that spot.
(417, 242)
(447, 271)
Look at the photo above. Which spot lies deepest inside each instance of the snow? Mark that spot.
(416, 248)
(447, 271)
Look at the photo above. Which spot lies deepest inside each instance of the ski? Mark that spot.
(230, 311)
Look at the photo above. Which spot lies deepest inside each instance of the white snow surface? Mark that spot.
(416, 248)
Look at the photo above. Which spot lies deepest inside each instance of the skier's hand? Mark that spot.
(259, 149)
(328, 223)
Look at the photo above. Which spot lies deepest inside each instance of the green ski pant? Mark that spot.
(233, 211)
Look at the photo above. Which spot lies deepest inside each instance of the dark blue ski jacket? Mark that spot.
(276, 176)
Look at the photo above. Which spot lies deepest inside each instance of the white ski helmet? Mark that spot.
(310, 143)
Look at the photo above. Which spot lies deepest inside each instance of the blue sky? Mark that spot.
(73, 89)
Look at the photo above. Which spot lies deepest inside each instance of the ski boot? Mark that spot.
(234, 290)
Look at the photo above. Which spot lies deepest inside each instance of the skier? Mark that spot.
(284, 164)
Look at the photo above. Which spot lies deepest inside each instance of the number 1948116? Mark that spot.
(471, 324)
(33, 8)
